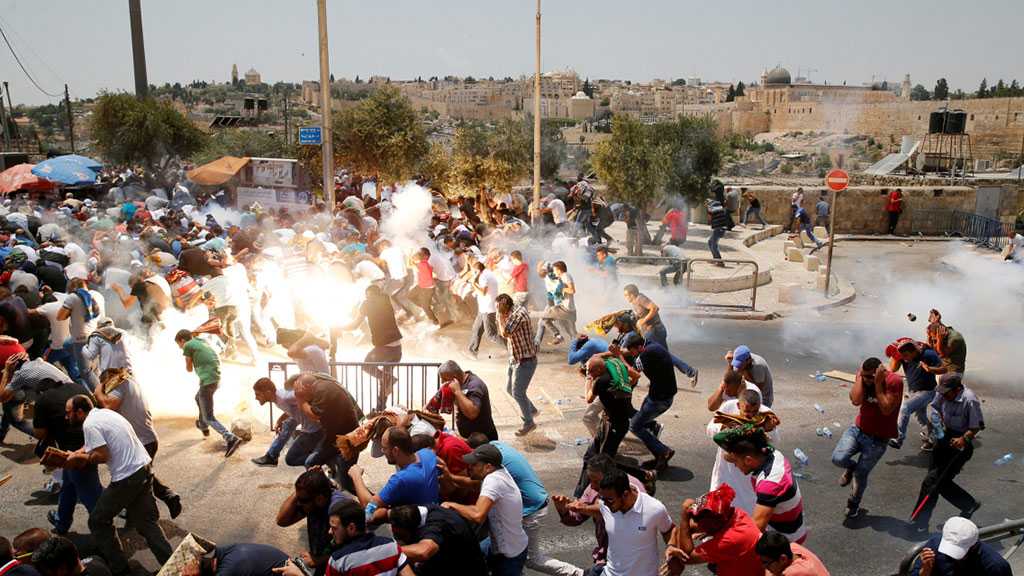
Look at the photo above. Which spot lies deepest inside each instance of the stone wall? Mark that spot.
(996, 125)
(861, 209)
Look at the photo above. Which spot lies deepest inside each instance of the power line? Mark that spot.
(23, 69)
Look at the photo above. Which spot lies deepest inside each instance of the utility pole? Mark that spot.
(327, 149)
(287, 132)
(3, 119)
(71, 119)
(536, 127)
(138, 48)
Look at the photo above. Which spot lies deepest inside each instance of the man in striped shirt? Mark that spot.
(357, 552)
(779, 504)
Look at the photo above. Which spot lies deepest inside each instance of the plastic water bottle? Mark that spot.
(819, 408)
(826, 432)
(837, 425)
(1005, 459)
(800, 456)
(582, 441)
(937, 430)
(819, 431)
(819, 376)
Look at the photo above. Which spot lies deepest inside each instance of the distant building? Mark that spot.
(234, 74)
(252, 78)
(311, 93)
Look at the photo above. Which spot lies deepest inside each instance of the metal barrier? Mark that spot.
(753, 287)
(988, 533)
(415, 383)
(981, 230)
(677, 265)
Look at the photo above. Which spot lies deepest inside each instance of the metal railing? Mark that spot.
(753, 286)
(981, 230)
(1007, 529)
(414, 383)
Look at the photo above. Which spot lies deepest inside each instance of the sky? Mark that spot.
(87, 44)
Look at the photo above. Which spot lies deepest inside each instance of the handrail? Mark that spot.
(994, 532)
(753, 287)
(361, 381)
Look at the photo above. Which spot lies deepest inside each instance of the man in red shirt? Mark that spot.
(519, 275)
(675, 219)
(14, 402)
(878, 392)
(894, 207)
(781, 557)
(732, 546)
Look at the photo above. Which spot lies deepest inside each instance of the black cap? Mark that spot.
(484, 453)
(949, 381)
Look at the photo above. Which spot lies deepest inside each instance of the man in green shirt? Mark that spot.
(202, 359)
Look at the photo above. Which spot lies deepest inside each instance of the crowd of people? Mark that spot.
(79, 275)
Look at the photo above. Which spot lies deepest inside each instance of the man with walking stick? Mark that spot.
(961, 421)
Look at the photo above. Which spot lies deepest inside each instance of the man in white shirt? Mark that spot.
(501, 505)
(109, 438)
(444, 275)
(60, 351)
(401, 280)
(485, 288)
(633, 520)
(552, 205)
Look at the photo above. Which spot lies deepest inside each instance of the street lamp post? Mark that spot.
(327, 147)
(536, 126)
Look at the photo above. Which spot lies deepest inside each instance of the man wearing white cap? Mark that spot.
(959, 551)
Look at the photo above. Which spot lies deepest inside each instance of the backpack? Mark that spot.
(620, 375)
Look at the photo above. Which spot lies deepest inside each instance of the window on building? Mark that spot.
(972, 117)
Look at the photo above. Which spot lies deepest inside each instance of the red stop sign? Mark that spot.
(837, 180)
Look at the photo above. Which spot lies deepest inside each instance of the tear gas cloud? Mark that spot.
(981, 297)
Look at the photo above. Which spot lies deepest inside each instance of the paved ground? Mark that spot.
(229, 501)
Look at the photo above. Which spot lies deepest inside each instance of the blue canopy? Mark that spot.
(70, 169)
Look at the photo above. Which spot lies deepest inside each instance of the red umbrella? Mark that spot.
(20, 177)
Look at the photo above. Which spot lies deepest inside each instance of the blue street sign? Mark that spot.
(310, 135)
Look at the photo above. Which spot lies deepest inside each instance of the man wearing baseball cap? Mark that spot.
(754, 369)
(959, 551)
(501, 504)
(960, 411)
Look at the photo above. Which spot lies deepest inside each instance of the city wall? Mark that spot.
(996, 125)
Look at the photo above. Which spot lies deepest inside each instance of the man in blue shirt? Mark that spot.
(415, 483)
(535, 506)
(917, 362)
(292, 417)
(959, 551)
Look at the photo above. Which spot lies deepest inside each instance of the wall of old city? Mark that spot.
(861, 209)
(995, 124)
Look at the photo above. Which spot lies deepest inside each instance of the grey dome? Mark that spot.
(779, 76)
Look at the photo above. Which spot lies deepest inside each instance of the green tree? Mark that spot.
(695, 155)
(941, 91)
(982, 89)
(510, 148)
(1000, 90)
(633, 163)
(437, 168)
(382, 136)
(553, 150)
(469, 157)
(243, 142)
(920, 93)
(132, 131)
(741, 89)
(731, 95)
(588, 88)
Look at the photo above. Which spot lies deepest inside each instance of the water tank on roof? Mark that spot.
(956, 122)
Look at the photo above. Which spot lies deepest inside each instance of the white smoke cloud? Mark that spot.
(982, 297)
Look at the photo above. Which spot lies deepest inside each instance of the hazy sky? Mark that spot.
(86, 43)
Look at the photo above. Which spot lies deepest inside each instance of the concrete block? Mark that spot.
(791, 294)
(786, 246)
(794, 255)
(812, 263)
(798, 240)
(833, 287)
(820, 232)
